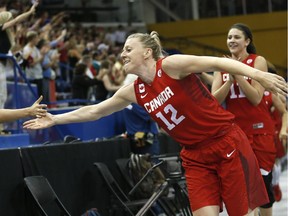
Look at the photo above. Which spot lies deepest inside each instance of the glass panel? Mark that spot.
(125, 11)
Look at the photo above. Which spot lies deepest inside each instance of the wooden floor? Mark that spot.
(279, 208)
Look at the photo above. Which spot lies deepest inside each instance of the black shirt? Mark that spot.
(80, 86)
(5, 42)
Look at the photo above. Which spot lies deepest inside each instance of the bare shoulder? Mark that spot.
(175, 65)
(261, 63)
(181, 65)
(175, 60)
(260, 58)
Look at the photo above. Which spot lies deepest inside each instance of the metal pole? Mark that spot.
(270, 6)
(195, 9)
(244, 7)
(165, 10)
(130, 12)
(218, 8)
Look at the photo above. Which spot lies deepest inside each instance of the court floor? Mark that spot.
(279, 208)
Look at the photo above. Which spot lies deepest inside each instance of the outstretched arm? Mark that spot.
(179, 66)
(119, 101)
(21, 17)
(36, 109)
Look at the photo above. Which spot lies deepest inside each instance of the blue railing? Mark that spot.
(17, 70)
(20, 99)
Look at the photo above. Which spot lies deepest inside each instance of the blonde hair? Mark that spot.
(5, 16)
(30, 35)
(151, 41)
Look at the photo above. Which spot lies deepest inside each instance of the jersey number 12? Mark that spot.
(174, 120)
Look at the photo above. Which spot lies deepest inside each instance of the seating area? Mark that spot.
(44, 196)
(170, 197)
(125, 204)
(44, 200)
(70, 171)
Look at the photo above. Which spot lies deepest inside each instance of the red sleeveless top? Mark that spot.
(184, 108)
(251, 119)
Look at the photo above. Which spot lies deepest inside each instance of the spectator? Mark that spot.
(49, 62)
(96, 61)
(33, 58)
(81, 83)
(118, 72)
(87, 59)
(91, 73)
(74, 56)
(120, 36)
(8, 44)
(106, 86)
(110, 36)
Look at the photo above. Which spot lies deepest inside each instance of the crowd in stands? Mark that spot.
(55, 52)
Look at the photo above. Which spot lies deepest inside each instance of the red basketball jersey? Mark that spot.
(252, 119)
(184, 108)
(277, 122)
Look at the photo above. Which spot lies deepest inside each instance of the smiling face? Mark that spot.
(236, 41)
(133, 55)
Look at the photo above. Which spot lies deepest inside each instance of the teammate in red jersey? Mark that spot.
(278, 114)
(218, 160)
(244, 98)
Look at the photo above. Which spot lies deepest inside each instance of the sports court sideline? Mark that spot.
(279, 208)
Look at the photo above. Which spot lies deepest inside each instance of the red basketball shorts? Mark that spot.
(264, 149)
(226, 170)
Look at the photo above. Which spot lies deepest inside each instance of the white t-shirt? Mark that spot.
(35, 71)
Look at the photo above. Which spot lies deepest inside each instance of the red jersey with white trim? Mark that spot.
(268, 99)
(276, 121)
(184, 108)
(252, 119)
(275, 114)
